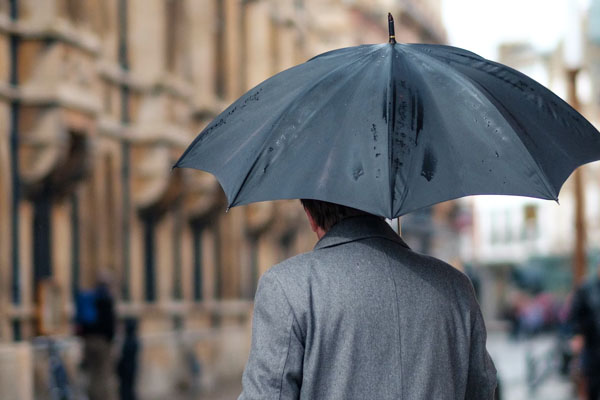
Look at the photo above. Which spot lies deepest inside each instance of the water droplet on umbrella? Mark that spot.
(374, 132)
(429, 166)
(497, 155)
(358, 172)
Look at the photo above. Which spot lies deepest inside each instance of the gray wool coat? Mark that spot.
(364, 317)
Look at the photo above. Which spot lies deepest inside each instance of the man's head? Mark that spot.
(322, 215)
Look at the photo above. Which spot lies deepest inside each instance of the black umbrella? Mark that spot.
(391, 128)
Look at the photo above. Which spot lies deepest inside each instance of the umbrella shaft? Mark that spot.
(391, 29)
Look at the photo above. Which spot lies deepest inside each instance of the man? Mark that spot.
(364, 317)
(585, 321)
(98, 333)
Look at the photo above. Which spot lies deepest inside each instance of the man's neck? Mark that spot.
(320, 232)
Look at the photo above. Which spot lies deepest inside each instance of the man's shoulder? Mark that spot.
(443, 268)
(300, 270)
(293, 265)
(427, 267)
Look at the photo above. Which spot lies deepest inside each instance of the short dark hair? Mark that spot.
(328, 214)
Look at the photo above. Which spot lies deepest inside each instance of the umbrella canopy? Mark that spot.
(391, 128)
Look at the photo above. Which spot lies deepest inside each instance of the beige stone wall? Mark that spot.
(87, 122)
(16, 371)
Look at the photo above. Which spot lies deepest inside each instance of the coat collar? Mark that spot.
(357, 228)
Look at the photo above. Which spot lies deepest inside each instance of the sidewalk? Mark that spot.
(228, 391)
(510, 358)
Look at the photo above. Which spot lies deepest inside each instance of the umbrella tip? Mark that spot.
(391, 28)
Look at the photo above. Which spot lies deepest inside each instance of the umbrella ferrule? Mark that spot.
(391, 29)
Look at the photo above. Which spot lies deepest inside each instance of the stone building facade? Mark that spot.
(98, 98)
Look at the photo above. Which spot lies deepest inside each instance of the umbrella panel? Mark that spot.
(393, 128)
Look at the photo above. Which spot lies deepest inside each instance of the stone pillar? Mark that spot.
(5, 218)
(257, 40)
(259, 219)
(164, 260)
(137, 260)
(61, 254)
(187, 263)
(203, 51)
(209, 265)
(233, 60)
(24, 311)
(16, 371)
(146, 38)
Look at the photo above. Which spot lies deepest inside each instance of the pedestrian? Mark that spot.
(585, 322)
(128, 362)
(97, 331)
(364, 317)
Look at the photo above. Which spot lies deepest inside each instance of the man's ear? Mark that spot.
(311, 221)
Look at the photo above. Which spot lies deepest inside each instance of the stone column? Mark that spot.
(233, 60)
(16, 371)
(257, 43)
(6, 291)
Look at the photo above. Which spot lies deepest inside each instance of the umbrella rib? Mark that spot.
(391, 121)
(284, 112)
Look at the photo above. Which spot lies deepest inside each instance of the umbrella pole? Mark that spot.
(391, 29)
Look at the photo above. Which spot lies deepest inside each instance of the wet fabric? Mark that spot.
(364, 317)
(392, 128)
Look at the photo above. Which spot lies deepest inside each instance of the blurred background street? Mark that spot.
(511, 360)
(114, 268)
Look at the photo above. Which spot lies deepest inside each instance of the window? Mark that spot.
(149, 257)
(177, 265)
(197, 230)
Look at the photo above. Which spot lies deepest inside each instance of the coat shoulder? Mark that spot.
(446, 270)
(293, 267)
(446, 274)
